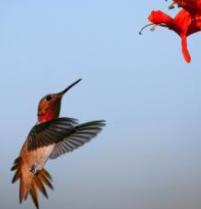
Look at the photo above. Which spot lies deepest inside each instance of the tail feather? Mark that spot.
(47, 174)
(16, 168)
(41, 187)
(16, 176)
(31, 184)
(45, 178)
(34, 193)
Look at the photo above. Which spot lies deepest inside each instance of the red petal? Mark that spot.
(159, 17)
(182, 21)
(185, 51)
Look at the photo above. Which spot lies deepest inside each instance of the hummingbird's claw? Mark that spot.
(34, 169)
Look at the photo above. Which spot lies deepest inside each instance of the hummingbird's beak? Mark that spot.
(69, 87)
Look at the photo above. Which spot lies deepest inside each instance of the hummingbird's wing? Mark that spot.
(50, 132)
(77, 137)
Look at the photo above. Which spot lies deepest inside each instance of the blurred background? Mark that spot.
(148, 155)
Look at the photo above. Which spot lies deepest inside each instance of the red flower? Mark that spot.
(182, 24)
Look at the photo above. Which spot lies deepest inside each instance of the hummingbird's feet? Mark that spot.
(34, 169)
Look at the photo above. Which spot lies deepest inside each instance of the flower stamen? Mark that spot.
(146, 26)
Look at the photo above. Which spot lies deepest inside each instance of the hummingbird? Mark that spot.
(51, 137)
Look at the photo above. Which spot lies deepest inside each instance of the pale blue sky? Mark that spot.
(148, 156)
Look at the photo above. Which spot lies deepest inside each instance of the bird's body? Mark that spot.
(48, 139)
(35, 160)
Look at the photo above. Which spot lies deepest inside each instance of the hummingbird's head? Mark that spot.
(50, 105)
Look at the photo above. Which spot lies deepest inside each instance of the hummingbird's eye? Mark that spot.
(48, 98)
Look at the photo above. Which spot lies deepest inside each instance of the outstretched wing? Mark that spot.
(77, 137)
(50, 132)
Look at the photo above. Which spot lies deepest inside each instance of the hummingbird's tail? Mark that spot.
(30, 183)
